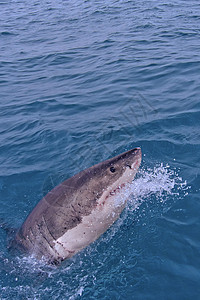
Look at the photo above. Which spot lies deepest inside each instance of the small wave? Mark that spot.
(6, 33)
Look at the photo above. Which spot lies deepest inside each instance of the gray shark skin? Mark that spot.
(77, 211)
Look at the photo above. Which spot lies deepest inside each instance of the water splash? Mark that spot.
(161, 183)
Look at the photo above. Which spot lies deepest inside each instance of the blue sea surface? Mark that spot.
(80, 82)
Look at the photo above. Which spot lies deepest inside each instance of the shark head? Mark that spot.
(115, 172)
(123, 167)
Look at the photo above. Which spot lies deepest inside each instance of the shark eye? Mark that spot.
(112, 169)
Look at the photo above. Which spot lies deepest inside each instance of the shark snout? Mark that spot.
(137, 158)
(137, 151)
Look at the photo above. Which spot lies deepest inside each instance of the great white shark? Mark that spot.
(77, 211)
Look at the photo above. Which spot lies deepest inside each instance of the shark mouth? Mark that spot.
(117, 190)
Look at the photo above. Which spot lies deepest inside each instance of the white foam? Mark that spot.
(161, 182)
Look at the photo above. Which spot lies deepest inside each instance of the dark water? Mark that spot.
(82, 81)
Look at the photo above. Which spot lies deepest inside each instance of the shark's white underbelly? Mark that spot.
(108, 209)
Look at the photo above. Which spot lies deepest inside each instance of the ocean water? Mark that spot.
(80, 82)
